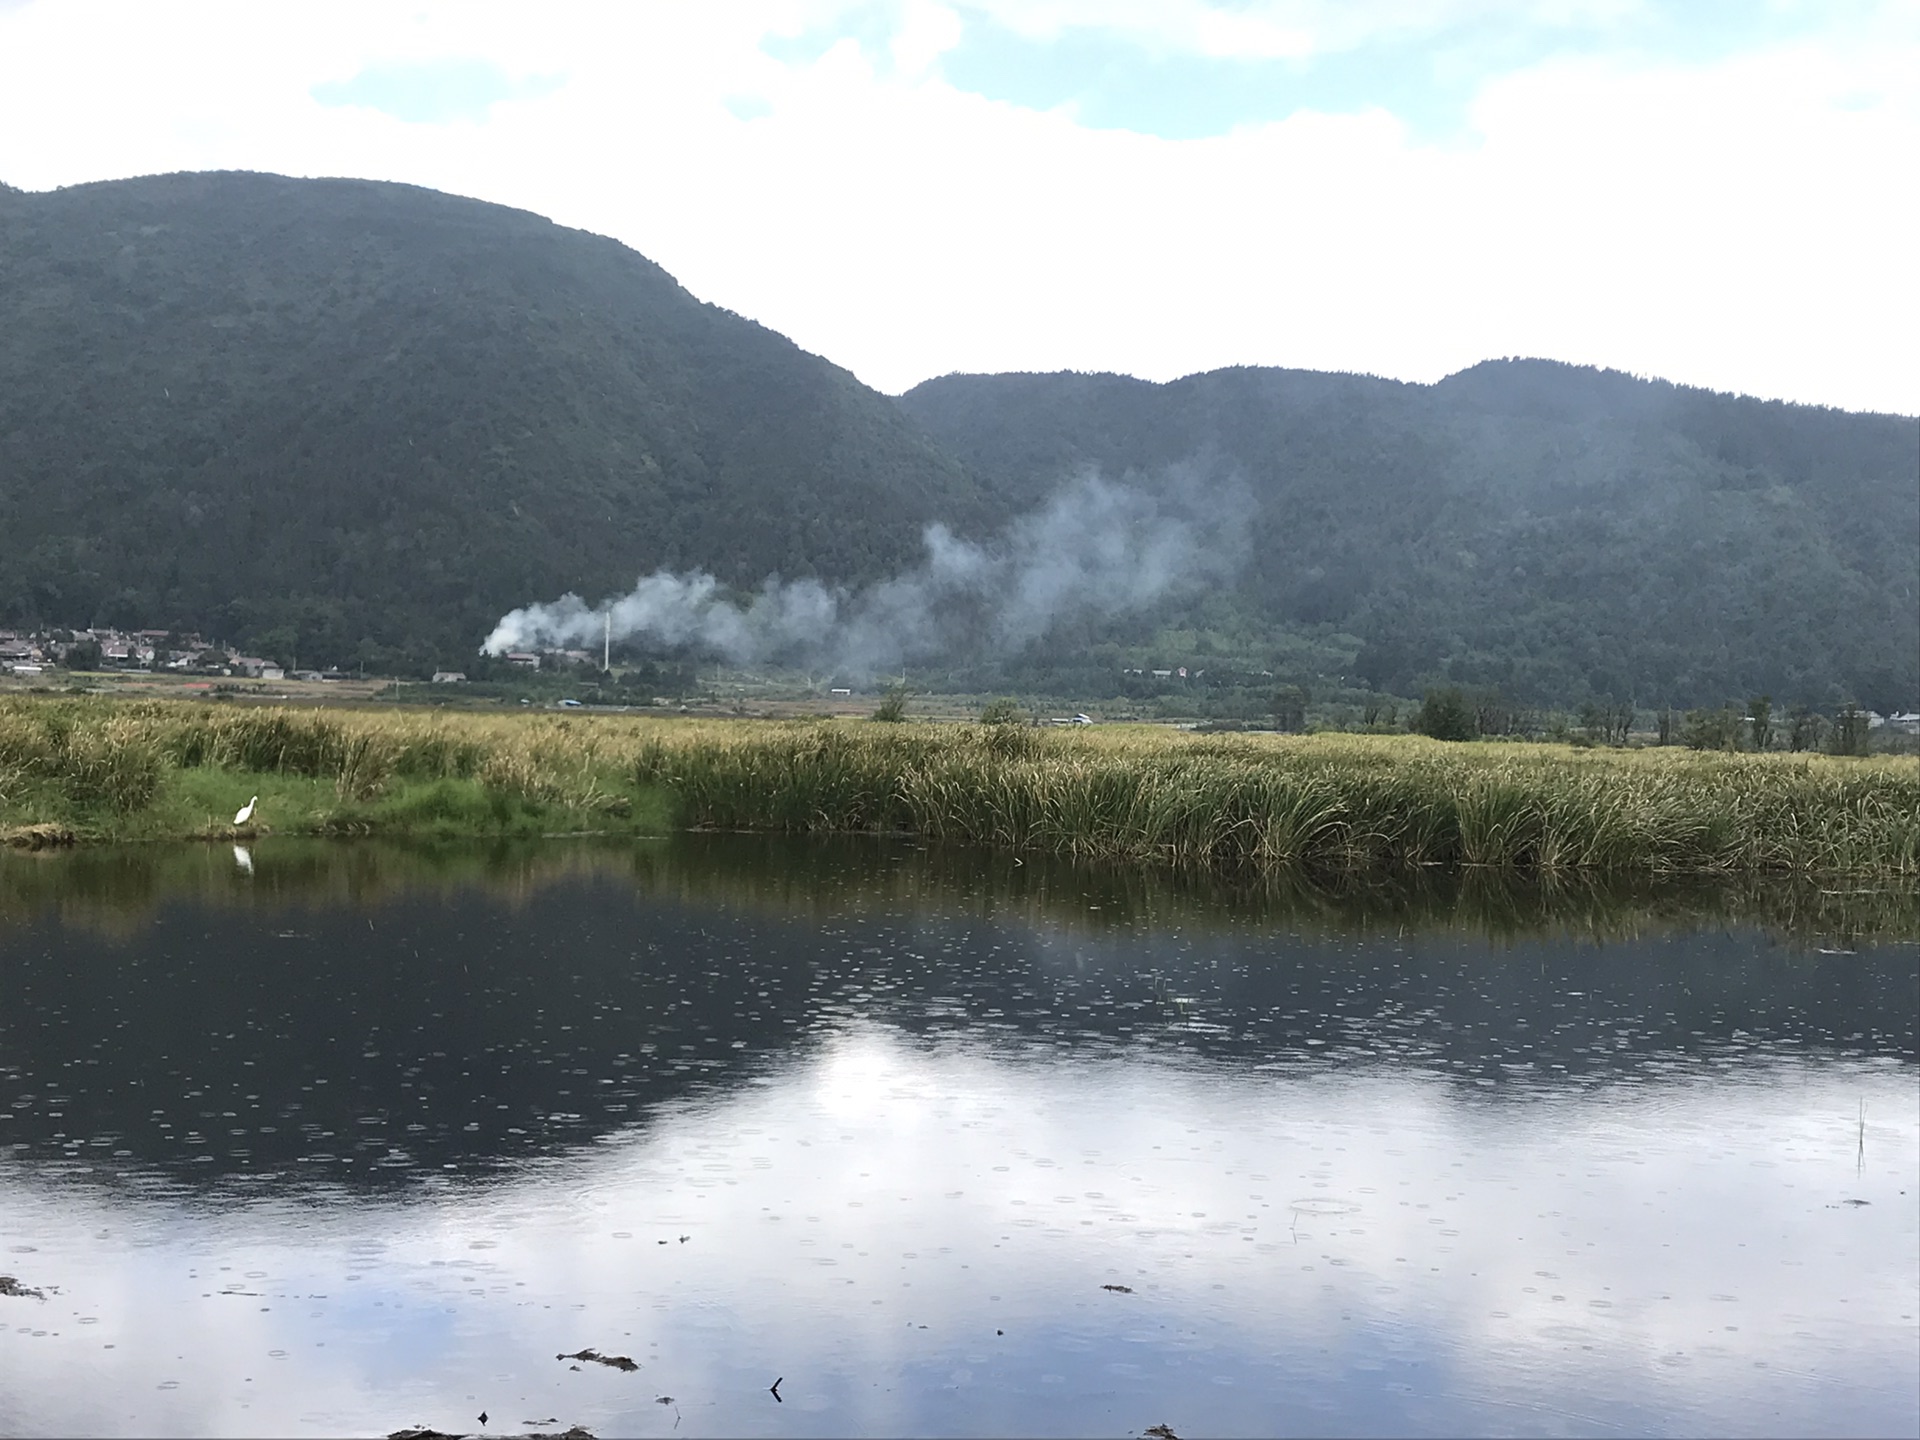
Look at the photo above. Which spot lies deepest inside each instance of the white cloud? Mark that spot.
(1743, 223)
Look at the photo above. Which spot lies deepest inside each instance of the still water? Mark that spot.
(336, 1140)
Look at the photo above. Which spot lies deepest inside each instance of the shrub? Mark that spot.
(1445, 714)
(1004, 711)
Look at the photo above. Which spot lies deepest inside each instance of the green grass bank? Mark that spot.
(101, 770)
(97, 769)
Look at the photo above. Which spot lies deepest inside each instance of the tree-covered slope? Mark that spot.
(339, 419)
(345, 418)
(1551, 530)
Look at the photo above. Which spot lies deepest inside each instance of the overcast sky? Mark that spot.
(1720, 192)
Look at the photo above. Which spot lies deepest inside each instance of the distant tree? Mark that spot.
(892, 708)
(1805, 728)
(1379, 714)
(1663, 722)
(1445, 715)
(1760, 722)
(1004, 711)
(1492, 714)
(82, 655)
(1607, 722)
(1289, 706)
(281, 644)
(1711, 729)
(1850, 732)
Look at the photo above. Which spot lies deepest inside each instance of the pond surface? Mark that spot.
(336, 1140)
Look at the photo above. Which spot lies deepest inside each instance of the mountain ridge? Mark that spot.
(1661, 539)
(358, 420)
(383, 398)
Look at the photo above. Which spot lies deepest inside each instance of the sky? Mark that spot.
(1718, 192)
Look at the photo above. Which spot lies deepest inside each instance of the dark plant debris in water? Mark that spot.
(427, 1432)
(617, 1362)
(11, 1286)
(1160, 1432)
(1119, 1289)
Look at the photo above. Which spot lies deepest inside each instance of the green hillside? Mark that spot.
(1554, 531)
(350, 421)
(362, 420)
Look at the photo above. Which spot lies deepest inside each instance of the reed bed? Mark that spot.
(1322, 803)
(1135, 795)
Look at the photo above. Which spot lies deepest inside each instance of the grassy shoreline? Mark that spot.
(92, 769)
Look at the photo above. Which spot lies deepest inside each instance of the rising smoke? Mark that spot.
(1095, 549)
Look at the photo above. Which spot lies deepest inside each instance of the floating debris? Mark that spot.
(1160, 1432)
(427, 1432)
(1119, 1289)
(11, 1286)
(617, 1362)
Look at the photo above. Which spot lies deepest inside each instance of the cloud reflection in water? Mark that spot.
(1675, 1256)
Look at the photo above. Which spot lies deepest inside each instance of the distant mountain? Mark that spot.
(358, 419)
(1555, 531)
(345, 421)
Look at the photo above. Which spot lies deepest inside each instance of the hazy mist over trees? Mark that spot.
(1551, 530)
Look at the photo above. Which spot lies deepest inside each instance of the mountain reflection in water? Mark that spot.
(362, 1137)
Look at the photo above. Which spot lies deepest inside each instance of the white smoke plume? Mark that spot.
(1095, 549)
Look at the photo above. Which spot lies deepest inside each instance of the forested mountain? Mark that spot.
(1554, 531)
(349, 420)
(359, 419)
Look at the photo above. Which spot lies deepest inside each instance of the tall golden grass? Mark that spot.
(1325, 803)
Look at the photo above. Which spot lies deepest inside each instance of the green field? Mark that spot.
(92, 769)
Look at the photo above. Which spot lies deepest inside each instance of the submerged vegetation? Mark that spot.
(95, 769)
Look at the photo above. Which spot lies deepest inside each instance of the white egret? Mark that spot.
(245, 813)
